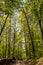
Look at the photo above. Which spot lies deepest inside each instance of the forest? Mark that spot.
(21, 32)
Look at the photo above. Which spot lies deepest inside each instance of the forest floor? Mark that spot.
(19, 62)
(29, 62)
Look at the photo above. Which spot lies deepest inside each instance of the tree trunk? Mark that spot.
(3, 25)
(27, 53)
(14, 39)
(14, 43)
(29, 32)
(41, 33)
(6, 45)
(9, 41)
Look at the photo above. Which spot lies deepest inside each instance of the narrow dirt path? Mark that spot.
(19, 63)
(22, 63)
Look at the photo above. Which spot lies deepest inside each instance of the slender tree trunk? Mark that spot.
(27, 53)
(3, 25)
(26, 49)
(6, 45)
(41, 29)
(14, 43)
(41, 33)
(9, 41)
(14, 39)
(29, 32)
(21, 51)
(3, 50)
(33, 50)
(0, 41)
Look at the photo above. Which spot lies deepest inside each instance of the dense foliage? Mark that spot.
(21, 29)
